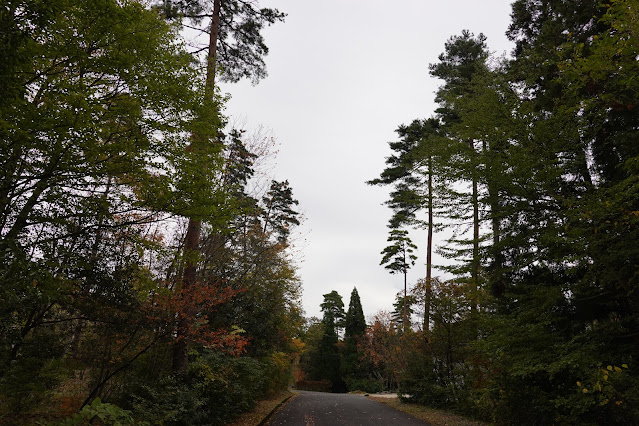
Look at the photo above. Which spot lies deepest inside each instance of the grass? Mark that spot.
(262, 410)
(432, 416)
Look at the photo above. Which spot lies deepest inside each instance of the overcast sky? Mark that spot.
(343, 75)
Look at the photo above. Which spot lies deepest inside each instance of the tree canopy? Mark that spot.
(112, 142)
(539, 182)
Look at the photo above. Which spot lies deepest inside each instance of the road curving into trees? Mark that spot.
(331, 409)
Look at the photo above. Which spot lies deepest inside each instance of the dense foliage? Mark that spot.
(534, 159)
(111, 142)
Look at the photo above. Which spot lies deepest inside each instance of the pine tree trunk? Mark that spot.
(405, 292)
(475, 261)
(192, 239)
(429, 248)
(496, 276)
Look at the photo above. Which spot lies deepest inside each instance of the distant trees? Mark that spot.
(341, 362)
(353, 369)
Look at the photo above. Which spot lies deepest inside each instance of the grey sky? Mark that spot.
(343, 75)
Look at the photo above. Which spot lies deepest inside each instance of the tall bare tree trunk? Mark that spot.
(497, 285)
(474, 273)
(405, 292)
(194, 229)
(429, 249)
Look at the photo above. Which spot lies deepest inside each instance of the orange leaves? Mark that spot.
(193, 308)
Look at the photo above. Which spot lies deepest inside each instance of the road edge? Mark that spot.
(277, 407)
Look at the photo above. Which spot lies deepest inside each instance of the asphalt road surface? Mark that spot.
(331, 409)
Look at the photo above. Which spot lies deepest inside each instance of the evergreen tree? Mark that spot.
(355, 328)
(354, 323)
(278, 210)
(325, 360)
(333, 306)
(464, 57)
(545, 146)
(417, 172)
(403, 312)
(398, 258)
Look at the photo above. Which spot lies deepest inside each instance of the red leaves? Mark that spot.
(192, 308)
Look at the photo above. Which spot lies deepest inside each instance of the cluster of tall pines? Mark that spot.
(531, 165)
(144, 276)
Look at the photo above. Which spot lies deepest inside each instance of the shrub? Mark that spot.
(368, 385)
(216, 389)
(314, 385)
(106, 414)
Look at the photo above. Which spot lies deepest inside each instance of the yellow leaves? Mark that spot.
(601, 387)
(237, 330)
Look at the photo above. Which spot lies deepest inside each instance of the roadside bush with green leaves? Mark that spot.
(33, 376)
(216, 389)
(279, 372)
(169, 401)
(610, 394)
(368, 385)
(100, 413)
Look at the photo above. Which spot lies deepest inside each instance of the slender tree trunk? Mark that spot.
(405, 293)
(497, 281)
(475, 260)
(498, 286)
(429, 248)
(193, 232)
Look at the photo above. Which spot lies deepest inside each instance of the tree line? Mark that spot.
(144, 276)
(530, 163)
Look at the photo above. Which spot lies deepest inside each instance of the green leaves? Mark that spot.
(398, 256)
(541, 169)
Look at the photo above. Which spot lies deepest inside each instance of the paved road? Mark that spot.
(331, 409)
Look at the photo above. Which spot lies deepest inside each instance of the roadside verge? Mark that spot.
(430, 415)
(263, 410)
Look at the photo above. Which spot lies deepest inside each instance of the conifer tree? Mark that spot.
(416, 170)
(398, 258)
(355, 328)
(333, 306)
(464, 57)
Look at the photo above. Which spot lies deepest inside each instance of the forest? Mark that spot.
(528, 169)
(147, 271)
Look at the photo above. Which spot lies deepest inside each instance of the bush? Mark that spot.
(368, 385)
(106, 414)
(314, 385)
(216, 390)
(278, 371)
(31, 378)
